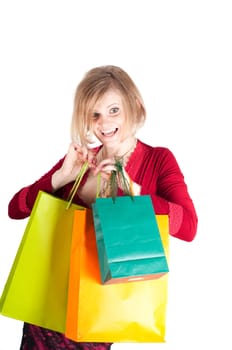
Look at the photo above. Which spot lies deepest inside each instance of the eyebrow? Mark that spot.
(112, 104)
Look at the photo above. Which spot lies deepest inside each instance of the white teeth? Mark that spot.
(108, 132)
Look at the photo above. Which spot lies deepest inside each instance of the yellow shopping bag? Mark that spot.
(125, 312)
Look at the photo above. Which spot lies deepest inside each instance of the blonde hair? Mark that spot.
(95, 83)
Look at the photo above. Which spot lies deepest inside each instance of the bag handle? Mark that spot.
(76, 184)
(112, 184)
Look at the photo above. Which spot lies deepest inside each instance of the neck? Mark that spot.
(123, 151)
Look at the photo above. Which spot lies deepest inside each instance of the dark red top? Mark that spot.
(156, 170)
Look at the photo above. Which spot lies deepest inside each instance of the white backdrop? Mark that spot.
(179, 55)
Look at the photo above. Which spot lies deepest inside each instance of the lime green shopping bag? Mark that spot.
(36, 289)
(128, 239)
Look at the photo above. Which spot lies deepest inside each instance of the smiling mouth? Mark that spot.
(109, 133)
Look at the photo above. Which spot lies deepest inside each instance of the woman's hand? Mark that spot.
(76, 156)
(105, 168)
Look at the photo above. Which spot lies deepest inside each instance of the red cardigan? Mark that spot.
(155, 169)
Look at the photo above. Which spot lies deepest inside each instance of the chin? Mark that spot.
(108, 141)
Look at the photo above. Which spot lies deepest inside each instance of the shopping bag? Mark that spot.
(124, 312)
(36, 289)
(128, 239)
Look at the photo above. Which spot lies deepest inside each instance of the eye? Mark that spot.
(95, 115)
(114, 110)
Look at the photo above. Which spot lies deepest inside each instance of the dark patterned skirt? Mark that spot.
(37, 338)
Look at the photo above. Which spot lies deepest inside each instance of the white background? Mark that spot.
(179, 53)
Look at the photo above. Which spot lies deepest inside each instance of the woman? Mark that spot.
(108, 107)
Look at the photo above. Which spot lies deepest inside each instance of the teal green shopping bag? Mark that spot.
(128, 239)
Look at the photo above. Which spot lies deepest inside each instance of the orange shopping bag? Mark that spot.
(125, 312)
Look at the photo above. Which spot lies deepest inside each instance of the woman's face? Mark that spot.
(108, 119)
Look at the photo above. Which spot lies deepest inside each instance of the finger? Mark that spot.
(106, 176)
(92, 160)
(75, 146)
(106, 162)
(105, 171)
(81, 152)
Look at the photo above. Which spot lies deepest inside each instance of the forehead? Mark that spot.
(110, 98)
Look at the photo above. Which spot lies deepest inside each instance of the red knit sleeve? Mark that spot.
(172, 187)
(21, 204)
(156, 170)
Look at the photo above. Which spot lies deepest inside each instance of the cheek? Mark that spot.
(122, 124)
